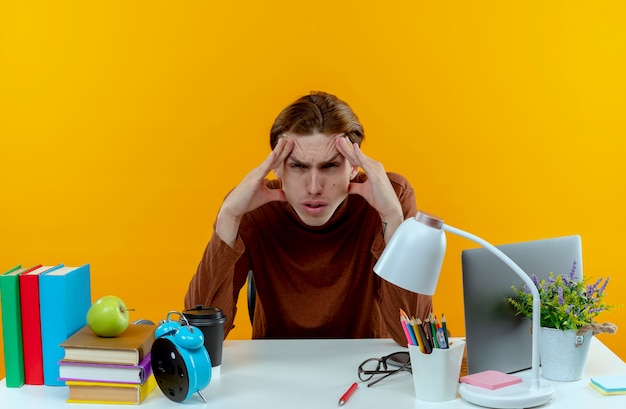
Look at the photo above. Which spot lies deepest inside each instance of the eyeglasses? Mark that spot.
(387, 365)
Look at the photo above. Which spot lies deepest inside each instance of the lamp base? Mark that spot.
(516, 396)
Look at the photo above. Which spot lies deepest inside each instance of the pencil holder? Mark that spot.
(436, 375)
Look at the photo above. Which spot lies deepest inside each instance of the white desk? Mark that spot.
(314, 374)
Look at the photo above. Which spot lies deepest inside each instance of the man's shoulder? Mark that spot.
(396, 178)
(401, 186)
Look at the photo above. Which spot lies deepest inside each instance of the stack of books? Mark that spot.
(41, 307)
(108, 370)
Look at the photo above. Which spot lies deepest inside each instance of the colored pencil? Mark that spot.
(418, 335)
(445, 328)
(408, 332)
(422, 331)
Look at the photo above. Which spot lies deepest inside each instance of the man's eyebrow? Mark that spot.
(334, 158)
(292, 158)
(301, 162)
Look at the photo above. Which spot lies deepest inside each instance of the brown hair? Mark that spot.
(317, 112)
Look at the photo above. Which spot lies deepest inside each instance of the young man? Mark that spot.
(312, 235)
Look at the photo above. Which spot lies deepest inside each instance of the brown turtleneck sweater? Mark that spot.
(312, 282)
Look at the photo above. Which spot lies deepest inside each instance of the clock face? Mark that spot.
(170, 369)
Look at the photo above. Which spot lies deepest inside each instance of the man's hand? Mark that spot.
(377, 189)
(251, 193)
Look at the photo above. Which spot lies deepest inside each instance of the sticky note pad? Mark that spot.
(491, 379)
(610, 383)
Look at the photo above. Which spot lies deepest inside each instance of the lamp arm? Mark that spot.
(533, 289)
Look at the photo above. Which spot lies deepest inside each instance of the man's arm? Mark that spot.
(377, 189)
(394, 298)
(218, 279)
(250, 193)
(221, 273)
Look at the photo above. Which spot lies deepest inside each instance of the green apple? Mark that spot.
(108, 316)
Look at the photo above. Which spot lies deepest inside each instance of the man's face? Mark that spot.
(315, 177)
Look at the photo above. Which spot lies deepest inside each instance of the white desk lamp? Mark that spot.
(412, 260)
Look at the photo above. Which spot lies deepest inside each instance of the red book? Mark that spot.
(31, 325)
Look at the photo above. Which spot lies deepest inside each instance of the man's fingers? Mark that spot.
(273, 160)
(286, 149)
(347, 149)
(281, 151)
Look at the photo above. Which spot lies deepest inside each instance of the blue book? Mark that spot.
(64, 299)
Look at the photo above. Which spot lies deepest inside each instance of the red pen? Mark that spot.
(344, 398)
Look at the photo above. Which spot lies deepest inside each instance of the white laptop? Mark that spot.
(497, 338)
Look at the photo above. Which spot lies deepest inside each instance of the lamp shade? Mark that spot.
(413, 257)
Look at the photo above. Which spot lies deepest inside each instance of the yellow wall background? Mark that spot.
(123, 124)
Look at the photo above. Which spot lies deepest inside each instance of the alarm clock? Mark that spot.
(180, 362)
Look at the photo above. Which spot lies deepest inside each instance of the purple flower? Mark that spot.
(566, 300)
(594, 287)
(560, 295)
(535, 280)
(601, 291)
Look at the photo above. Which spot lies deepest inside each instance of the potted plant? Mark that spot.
(568, 309)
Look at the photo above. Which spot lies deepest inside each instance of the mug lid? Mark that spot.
(200, 312)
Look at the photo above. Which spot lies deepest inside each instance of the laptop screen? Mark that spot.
(495, 337)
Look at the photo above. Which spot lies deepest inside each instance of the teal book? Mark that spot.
(64, 299)
(12, 326)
